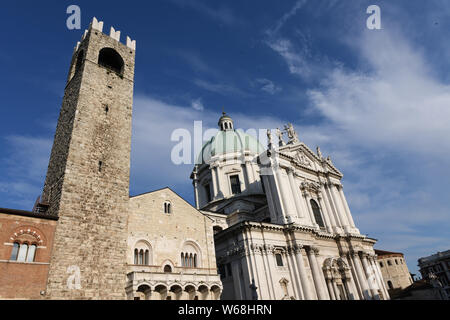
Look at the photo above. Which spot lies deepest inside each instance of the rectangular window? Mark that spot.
(279, 259)
(235, 184)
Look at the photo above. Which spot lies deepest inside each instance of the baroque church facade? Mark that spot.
(268, 223)
(283, 227)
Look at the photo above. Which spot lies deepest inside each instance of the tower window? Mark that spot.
(235, 184)
(279, 259)
(100, 166)
(110, 59)
(317, 214)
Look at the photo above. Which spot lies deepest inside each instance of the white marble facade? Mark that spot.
(283, 226)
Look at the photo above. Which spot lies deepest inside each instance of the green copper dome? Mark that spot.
(229, 141)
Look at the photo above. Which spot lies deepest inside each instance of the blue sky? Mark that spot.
(377, 101)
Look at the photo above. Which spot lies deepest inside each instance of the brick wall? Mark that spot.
(24, 280)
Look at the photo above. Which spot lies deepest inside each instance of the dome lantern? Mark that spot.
(225, 123)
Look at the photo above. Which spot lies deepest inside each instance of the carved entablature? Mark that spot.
(313, 187)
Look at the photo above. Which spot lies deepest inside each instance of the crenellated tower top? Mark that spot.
(98, 25)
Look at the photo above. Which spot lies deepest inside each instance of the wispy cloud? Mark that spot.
(267, 85)
(221, 14)
(197, 104)
(221, 88)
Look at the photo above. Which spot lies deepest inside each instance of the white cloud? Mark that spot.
(197, 104)
(25, 167)
(268, 86)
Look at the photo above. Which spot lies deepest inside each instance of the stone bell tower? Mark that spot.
(87, 183)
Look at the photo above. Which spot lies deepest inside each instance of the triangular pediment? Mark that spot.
(304, 157)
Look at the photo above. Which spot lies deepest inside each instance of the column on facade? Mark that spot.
(369, 276)
(284, 199)
(294, 274)
(254, 268)
(350, 282)
(327, 206)
(337, 293)
(330, 289)
(334, 208)
(379, 276)
(325, 214)
(236, 280)
(339, 207)
(360, 273)
(197, 203)
(270, 200)
(267, 256)
(357, 289)
(318, 277)
(250, 176)
(346, 207)
(295, 193)
(306, 286)
(214, 181)
(247, 271)
(374, 268)
(264, 282)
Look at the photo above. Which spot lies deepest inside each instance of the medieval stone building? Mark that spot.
(86, 238)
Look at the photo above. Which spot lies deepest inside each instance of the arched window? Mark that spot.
(167, 269)
(381, 264)
(146, 258)
(110, 59)
(317, 214)
(136, 256)
(141, 257)
(23, 250)
(31, 253)
(390, 285)
(15, 251)
(167, 207)
(195, 260)
(217, 229)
